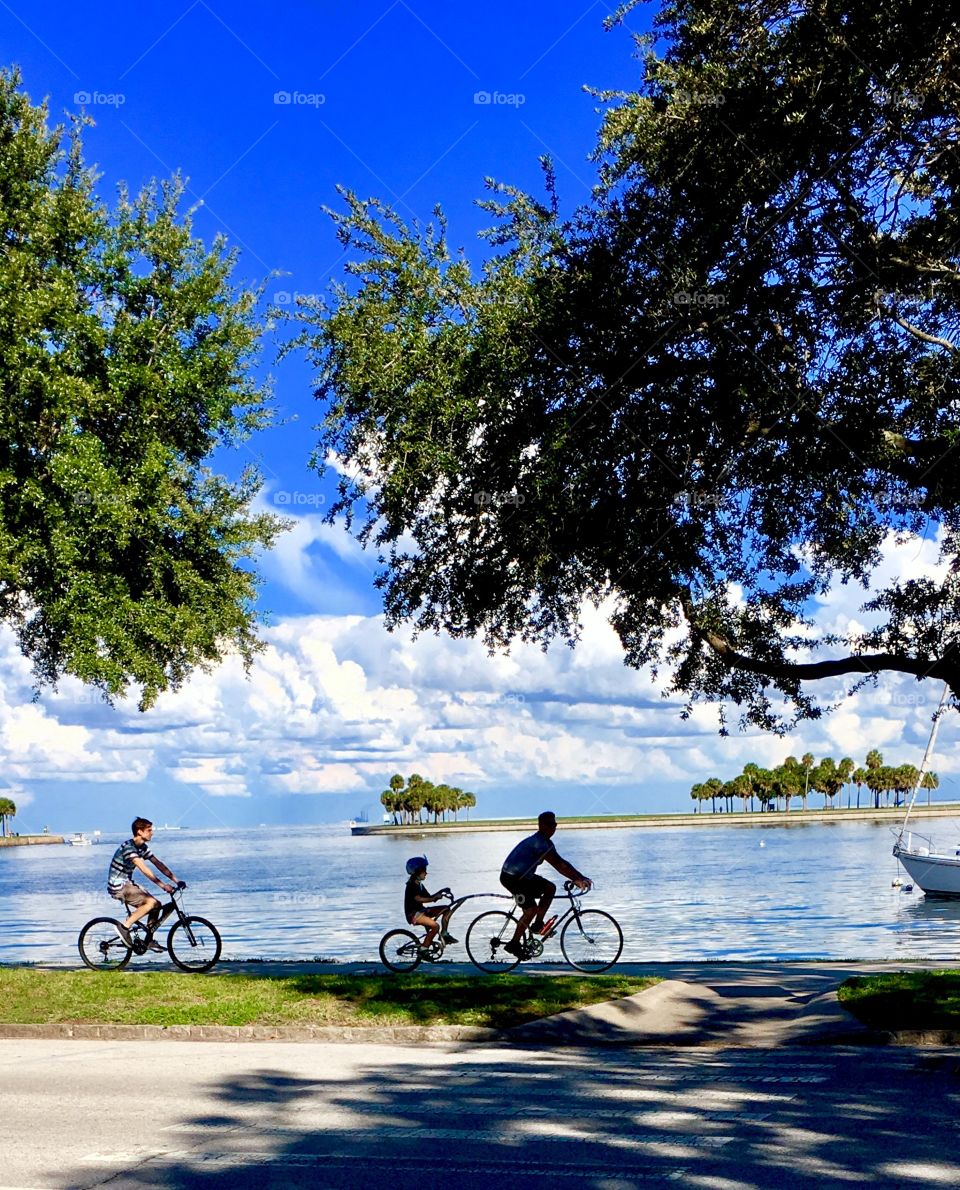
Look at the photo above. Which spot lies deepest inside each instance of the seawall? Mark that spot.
(890, 814)
(29, 840)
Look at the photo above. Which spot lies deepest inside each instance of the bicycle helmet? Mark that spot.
(416, 864)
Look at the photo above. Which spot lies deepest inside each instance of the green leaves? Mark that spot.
(725, 384)
(125, 360)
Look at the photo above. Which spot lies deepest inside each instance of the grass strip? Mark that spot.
(173, 998)
(904, 1000)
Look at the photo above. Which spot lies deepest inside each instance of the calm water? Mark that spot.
(680, 894)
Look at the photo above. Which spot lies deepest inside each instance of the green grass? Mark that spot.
(172, 998)
(904, 1000)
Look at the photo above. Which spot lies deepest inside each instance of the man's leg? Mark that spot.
(526, 917)
(545, 902)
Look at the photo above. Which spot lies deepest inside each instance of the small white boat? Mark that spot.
(80, 840)
(936, 872)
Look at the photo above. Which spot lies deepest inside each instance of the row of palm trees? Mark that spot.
(7, 810)
(407, 800)
(799, 778)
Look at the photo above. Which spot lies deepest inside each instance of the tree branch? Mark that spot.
(942, 669)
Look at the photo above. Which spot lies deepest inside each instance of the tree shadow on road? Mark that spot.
(448, 1116)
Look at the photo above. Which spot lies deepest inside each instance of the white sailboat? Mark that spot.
(934, 870)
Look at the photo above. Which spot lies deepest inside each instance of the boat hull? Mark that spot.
(937, 875)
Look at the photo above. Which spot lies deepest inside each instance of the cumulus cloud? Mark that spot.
(336, 704)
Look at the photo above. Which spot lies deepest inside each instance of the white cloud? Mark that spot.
(335, 704)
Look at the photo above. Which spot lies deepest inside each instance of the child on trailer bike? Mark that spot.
(415, 900)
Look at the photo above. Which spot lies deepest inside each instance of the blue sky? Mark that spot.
(266, 110)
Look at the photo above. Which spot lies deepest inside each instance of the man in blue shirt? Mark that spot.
(534, 894)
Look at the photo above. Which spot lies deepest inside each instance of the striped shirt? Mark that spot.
(121, 866)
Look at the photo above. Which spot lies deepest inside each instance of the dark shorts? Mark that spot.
(527, 889)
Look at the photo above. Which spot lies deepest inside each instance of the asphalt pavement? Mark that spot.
(215, 1116)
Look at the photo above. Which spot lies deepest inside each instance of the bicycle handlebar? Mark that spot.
(571, 885)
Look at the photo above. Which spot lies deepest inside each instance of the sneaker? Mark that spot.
(513, 948)
(449, 940)
(124, 935)
(155, 947)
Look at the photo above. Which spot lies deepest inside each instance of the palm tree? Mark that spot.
(7, 810)
(743, 789)
(874, 781)
(930, 782)
(859, 778)
(696, 792)
(806, 763)
(845, 769)
(714, 789)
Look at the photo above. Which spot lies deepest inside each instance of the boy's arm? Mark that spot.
(142, 867)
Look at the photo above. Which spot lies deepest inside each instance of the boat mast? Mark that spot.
(926, 755)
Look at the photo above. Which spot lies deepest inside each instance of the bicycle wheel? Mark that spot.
(485, 939)
(591, 941)
(101, 947)
(400, 950)
(194, 944)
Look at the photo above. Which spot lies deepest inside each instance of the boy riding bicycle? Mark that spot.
(135, 853)
(415, 900)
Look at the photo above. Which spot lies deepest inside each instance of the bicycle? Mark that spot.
(591, 939)
(403, 950)
(193, 942)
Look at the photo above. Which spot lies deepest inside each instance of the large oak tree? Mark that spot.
(125, 361)
(723, 385)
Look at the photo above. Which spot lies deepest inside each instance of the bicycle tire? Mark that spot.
(400, 951)
(591, 941)
(194, 944)
(485, 937)
(101, 947)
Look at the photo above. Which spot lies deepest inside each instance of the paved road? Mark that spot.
(211, 1115)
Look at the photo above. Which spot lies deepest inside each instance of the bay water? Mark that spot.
(680, 893)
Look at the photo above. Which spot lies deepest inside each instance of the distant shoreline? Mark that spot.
(29, 840)
(889, 814)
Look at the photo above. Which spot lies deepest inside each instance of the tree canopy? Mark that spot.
(8, 809)
(799, 778)
(406, 801)
(719, 388)
(125, 361)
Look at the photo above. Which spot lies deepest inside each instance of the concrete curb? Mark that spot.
(410, 1034)
(437, 1034)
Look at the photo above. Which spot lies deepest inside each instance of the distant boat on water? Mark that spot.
(167, 827)
(80, 840)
